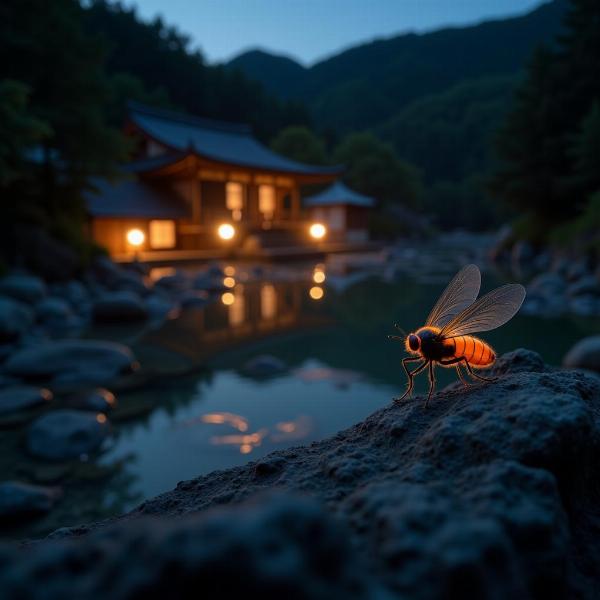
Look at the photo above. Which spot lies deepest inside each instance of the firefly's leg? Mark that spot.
(431, 383)
(465, 382)
(410, 375)
(455, 361)
(473, 374)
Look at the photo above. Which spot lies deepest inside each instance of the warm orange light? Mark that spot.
(136, 237)
(317, 231)
(229, 271)
(226, 231)
(318, 277)
(101, 418)
(227, 298)
(316, 292)
(229, 282)
(240, 423)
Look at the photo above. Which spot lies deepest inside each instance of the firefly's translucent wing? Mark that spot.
(460, 293)
(490, 311)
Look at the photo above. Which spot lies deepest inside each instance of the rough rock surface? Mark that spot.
(492, 492)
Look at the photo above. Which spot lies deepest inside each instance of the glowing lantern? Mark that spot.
(317, 231)
(136, 237)
(226, 231)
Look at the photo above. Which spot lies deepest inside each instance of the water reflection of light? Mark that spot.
(316, 292)
(225, 418)
(292, 430)
(227, 298)
(157, 273)
(101, 418)
(237, 309)
(245, 442)
(229, 271)
(318, 276)
(268, 301)
(229, 282)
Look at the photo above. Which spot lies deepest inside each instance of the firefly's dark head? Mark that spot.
(413, 343)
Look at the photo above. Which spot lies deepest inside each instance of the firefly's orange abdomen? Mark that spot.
(476, 351)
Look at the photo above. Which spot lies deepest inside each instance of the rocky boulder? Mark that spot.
(22, 499)
(490, 492)
(585, 354)
(26, 288)
(119, 307)
(72, 361)
(66, 434)
(22, 397)
(15, 319)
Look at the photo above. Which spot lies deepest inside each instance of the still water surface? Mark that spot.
(328, 324)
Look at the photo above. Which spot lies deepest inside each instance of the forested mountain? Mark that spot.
(153, 61)
(368, 84)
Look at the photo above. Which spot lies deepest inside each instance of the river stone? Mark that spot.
(116, 307)
(586, 286)
(26, 288)
(194, 299)
(547, 284)
(15, 319)
(53, 310)
(19, 499)
(22, 397)
(99, 399)
(66, 434)
(72, 361)
(264, 365)
(585, 354)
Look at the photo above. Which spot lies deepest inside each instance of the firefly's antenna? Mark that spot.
(397, 337)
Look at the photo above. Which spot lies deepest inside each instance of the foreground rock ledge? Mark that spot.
(492, 492)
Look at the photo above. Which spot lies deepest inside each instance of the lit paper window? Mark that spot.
(266, 200)
(162, 234)
(234, 199)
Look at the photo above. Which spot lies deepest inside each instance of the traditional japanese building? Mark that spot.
(344, 212)
(196, 185)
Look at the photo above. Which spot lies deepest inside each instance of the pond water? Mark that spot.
(326, 324)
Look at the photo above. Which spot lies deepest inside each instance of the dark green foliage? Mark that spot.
(449, 134)
(19, 131)
(374, 169)
(548, 143)
(366, 85)
(162, 58)
(300, 143)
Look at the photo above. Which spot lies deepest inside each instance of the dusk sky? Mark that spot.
(311, 29)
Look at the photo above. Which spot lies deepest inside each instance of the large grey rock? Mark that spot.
(70, 361)
(22, 397)
(19, 499)
(26, 288)
(116, 307)
(15, 319)
(490, 492)
(66, 434)
(278, 548)
(585, 354)
(264, 365)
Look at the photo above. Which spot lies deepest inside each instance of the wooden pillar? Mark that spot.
(295, 208)
(196, 196)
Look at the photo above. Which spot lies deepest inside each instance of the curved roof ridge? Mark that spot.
(205, 123)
